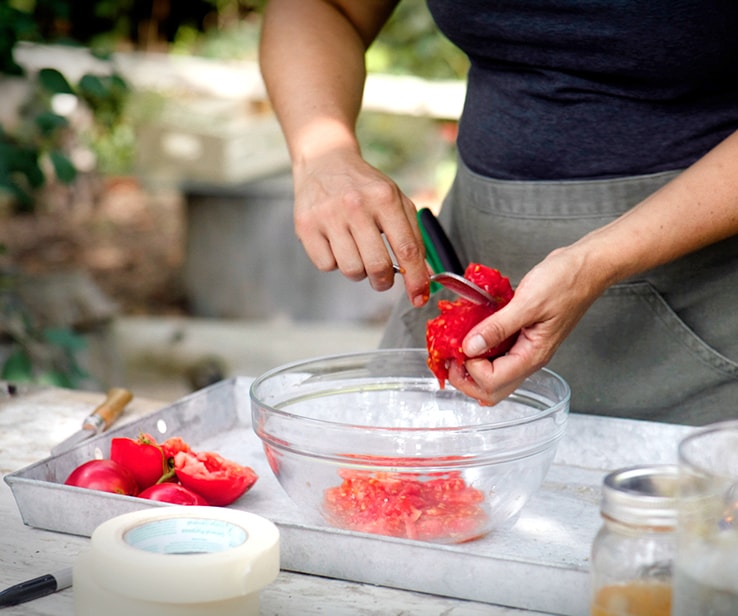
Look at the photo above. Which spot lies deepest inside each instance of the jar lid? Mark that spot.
(642, 495)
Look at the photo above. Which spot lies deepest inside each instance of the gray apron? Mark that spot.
(662, 346)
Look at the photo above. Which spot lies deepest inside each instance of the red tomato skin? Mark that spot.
(142, 456)
(218, 480)
(104, 475)
(173, 493)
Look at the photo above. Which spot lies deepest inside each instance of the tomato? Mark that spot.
(104, 475)
(218, 480)
(405, 505)
(173, 493)
(142, 456)
(446, 332)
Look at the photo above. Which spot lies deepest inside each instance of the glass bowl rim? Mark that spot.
(479, 427)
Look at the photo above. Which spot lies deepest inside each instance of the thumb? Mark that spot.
(490, 332)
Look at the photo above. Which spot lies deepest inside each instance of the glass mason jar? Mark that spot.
(633, 552)
(706, 564)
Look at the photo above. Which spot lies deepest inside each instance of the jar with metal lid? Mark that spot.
(633, 551)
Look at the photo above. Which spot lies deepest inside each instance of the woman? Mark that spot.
(598, 170)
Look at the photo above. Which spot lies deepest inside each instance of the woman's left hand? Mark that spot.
(548, 303)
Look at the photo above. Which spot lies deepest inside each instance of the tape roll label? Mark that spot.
(186, 536)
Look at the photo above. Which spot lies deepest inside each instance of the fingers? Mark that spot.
(405, 239)
(488, 381)
(343, 220)
(540, 313)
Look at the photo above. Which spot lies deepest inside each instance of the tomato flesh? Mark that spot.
(218, 480)
(173, 445)
(442, 507)
(446, 332)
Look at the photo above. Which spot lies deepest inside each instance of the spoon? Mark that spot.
(461, 286)
(464, 288)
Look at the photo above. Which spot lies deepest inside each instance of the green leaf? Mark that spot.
(64, 338)
(17, 367)
(118, 83)
(48, 122)
(100, 53)
(63, 167)
(53, 81)
(27, 164)
(92, 86)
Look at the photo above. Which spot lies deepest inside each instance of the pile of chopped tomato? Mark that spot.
(169, 472)
(446, 332)
(396, 504)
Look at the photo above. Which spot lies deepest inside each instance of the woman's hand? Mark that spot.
(697, 208)
(547, 304)
(344, 211)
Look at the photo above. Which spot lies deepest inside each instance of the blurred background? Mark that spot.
(146, 233)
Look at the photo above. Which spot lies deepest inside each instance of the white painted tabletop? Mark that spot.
(30, 424)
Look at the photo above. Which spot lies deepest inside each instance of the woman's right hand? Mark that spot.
(312, 60)
(344, 211)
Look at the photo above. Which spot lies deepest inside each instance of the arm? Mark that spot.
(312, 60)
(696, 209)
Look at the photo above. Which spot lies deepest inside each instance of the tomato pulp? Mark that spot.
(218, 480)
(446, 332)
(440, 507)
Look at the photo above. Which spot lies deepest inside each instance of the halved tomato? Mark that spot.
(218, 480)
(142, 456)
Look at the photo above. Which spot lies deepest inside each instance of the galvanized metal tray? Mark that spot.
(538, 562)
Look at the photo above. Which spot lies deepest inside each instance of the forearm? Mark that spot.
(696, 209)
(312, 60)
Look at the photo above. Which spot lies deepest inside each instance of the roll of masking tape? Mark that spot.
(177, 561)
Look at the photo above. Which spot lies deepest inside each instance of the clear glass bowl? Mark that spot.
(370, 443)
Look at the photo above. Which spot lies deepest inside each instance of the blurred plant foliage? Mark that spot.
(216, 28)
(36, 143)
(411, 44)
(42, 134)
(38, 132)
(33, 354)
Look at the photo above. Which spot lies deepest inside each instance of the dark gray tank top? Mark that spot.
(586, 89)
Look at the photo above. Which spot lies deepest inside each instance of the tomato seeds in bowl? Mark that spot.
(369, 442)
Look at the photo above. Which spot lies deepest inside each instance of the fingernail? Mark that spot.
(420, 300)
(475, 346)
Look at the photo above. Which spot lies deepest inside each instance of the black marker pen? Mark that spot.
(35, 588)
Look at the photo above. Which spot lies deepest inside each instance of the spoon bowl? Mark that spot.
(463, 288)
(458, 284)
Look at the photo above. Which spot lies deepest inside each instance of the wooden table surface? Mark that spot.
(33, 422)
